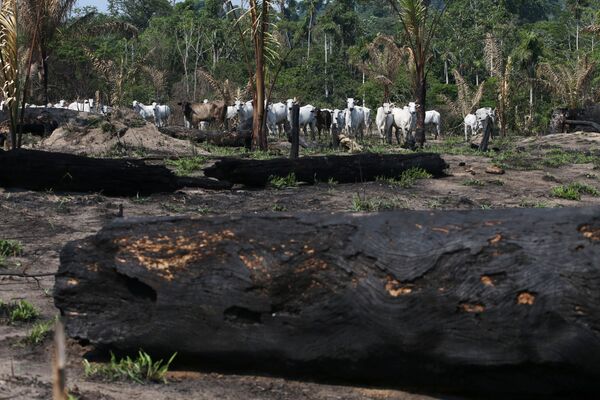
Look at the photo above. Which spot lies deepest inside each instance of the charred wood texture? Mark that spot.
(217, 138)
(39, 170)
(565, 120)
(489, 302)
(343, 169)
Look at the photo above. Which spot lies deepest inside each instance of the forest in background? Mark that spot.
(530, 55)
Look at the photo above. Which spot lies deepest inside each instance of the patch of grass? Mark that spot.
(407, 179)
(279, 208)
(454, 145)
(558, 157)
(332, 182)
(515, 159)
(533, 204)
(140, 200)
(39, 332)
(10, 248)
(496, 182)
(224, 151)
(141, 369)
(573, 191)
(365, 204)
(19, 311)
(187, 165)
(473, 182)
(174, 208)
(278, 182)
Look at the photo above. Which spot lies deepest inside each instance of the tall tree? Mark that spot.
(41, 20)
(527, 56)
(9, 64)
(420, 21)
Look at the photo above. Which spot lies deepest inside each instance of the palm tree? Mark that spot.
(420, 23)
(9, 64)
(383, 62)
(527, 56)
(571, 82)
(467, 100)
(41, 19)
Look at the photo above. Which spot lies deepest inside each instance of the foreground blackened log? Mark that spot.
(343, 169)
(217, 138)
(39, 170)
(491, 302)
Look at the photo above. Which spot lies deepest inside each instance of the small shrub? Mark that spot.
(573, 191)
(364, 204)
(279, 207)
(10, 248)
(558, 157)
(278, 182)
(533, 204)
(140, 370)
(39, 332)
(473, 182)
(187, 165)
(407, 179)
(20, 311)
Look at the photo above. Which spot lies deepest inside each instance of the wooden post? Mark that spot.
(488, 126)
(295, 132)
(59, 363)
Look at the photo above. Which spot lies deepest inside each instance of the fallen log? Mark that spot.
(574, 124)
(39, 170)
(217, 138)
(343, 169)
(489, 302)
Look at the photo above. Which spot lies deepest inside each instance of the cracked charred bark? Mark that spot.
(488, 302)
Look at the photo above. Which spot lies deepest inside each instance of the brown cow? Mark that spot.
(194, 113)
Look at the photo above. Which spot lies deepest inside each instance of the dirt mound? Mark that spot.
(123, 134)
(588, 142)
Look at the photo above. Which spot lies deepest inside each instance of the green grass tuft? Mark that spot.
(407, 179)
(573, 191)
(20, 311)
(39, 332)
(187, 165)
(10, 248)
(473, 182)
(365, 204)
(278, 182)
(141, 369)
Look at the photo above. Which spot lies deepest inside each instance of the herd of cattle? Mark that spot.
(353, 121)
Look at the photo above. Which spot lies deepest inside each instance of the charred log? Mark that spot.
(491, 302)
(38, 170)
(343, 169)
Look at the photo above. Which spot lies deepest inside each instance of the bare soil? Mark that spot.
(44, 222)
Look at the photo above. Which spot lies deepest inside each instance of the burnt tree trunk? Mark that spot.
(343, 169)
(217, 138)
(489, 302)
(39, 170)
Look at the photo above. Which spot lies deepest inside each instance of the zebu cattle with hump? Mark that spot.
(383, 120)
(434, 118)
(355, 119)
(194, 113)
(161, 114)
(482, 114)
(471, 126)
(277, 118)
(307, 117)
(403, 120)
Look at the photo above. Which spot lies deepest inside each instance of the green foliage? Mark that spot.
(473, 182)
(573, 191)
(39, 332)
(366, 204)
(407, 179)
(278, 182)
(19, 311)
(10, 248)
(141, 369)
(187, 165)
(558, 157)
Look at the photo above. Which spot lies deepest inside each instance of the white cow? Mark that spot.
(161, 114)
(367, 112)
(472, 125)
(338, 120)
(86, 106)
(276, 118)
(383, 120)
(307, 117)
(483, 113)
(244, 110)
(355, 119)
(403, 120)
(434, 118)
(145, 112)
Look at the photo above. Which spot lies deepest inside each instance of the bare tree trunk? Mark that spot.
(259, 139)
(446, 71)
(421, 100)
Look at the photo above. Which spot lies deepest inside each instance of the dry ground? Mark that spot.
(44, 222)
